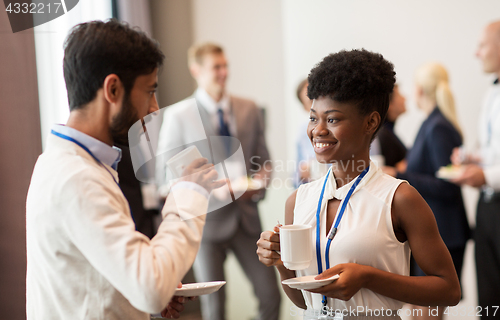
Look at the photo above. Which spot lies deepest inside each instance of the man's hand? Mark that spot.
(460, 156)
(473, 175)
(457, 156)
(175, 306)
(203, 173)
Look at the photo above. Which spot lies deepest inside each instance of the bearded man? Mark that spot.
(85, 259)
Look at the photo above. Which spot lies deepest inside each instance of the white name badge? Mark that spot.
(336, 316)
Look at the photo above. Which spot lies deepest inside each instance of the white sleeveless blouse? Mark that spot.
(365, 234)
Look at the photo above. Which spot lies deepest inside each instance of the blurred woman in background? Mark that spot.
(433, 146)
(387, 144)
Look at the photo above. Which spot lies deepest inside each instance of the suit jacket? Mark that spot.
(432, 149)
(188, 123)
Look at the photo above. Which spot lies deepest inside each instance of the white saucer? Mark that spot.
(198, 289)
(308, 282)
(449, 173)
(247, 184)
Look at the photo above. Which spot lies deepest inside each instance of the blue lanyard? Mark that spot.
(65, 137)
(332, 233)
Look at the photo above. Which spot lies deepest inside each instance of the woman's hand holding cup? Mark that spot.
(268, 247)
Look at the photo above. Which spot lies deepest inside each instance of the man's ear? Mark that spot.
(113, 89)
(194, 69)
(373, 122)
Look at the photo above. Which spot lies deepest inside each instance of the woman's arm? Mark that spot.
(440, 287)
(267, 246)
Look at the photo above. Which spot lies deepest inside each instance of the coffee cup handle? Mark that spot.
(279, 224)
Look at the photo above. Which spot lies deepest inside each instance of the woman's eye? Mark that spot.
(332, 120)
(312, 119)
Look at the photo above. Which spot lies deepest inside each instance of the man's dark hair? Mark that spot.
(357, 76)
(96, 49)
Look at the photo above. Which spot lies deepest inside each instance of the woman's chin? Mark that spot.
(324, 159)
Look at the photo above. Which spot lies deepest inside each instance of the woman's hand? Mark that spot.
(352, 278)
(472, 175)
(268, 247)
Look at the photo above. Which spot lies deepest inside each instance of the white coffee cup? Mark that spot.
(180, 161)
(296, 246)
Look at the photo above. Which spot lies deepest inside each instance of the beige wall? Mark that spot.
(21, 144)
(173, 28)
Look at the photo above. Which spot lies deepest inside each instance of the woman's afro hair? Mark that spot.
(359, 76)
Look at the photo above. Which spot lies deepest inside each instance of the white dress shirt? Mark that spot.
(212, 106)
(489, 137)
(85, 259)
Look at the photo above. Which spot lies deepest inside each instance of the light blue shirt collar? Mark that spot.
(104, 153)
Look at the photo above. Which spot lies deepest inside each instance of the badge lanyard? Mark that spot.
(65, 137)
(333, 231)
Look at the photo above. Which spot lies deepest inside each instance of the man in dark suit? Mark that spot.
(229, 131)
(132, 189)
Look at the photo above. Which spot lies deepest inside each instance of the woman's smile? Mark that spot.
(321, 146)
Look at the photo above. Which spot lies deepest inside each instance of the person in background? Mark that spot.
(369, 237)
(144, 218)
(307, 168)
(483, 171)
(433, 146)
(85, 258)
(386, 143)
(305, 151)
(234, 226)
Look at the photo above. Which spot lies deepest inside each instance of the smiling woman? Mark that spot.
(366, 222)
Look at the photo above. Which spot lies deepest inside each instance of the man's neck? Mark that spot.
(215, 95)
(94, 124)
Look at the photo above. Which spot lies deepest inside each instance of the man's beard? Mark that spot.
(123, 121)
